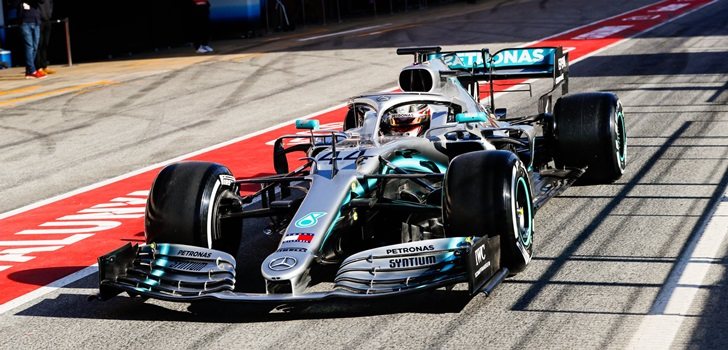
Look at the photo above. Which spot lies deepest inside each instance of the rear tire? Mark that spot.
(487, 193)
(184, 203)
(590, 131)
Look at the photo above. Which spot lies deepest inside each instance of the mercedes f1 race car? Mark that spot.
(424, 188)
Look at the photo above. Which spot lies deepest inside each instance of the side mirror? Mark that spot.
(307, 124)
(501, 113)
(471, 117)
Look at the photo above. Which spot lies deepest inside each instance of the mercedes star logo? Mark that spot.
(282, 263)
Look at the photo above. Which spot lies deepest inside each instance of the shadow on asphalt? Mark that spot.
(642, 65)
(138, 309)
(559, 262)
(696, 129)
(40, 277)
(710, 332)
(691, 63)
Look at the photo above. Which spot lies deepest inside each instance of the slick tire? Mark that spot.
(590, 131)
(488, 193)
(185, 204)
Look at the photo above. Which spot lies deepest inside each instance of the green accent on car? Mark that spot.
(309, 220)
(307, 124)
(150, 282)
(526, 239)
(471, 117)
(360, 190)
(163, 248)
(415, 164)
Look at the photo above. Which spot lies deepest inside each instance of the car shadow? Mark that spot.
(40, 277)
(122, 307)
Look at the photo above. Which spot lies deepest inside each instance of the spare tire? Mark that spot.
(590, 132)
(184, 207)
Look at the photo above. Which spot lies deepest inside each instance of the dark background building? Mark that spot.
(112, 28)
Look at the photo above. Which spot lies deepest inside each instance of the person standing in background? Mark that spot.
(29, 16)
(41, 58)
(201, 25)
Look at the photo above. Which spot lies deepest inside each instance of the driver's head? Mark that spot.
(407, 120)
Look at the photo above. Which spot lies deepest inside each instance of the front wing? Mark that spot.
(182, 273)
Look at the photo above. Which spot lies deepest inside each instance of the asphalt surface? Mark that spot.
(602, 252)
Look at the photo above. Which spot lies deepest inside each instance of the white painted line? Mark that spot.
(670, 8)
(344, 32)
(601, 33)
(48, 288)
(670, 309)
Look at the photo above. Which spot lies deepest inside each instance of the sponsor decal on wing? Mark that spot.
(502, 59)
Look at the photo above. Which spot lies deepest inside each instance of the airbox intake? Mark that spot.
(416, 80)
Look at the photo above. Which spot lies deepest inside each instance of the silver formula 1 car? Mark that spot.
(423, 188)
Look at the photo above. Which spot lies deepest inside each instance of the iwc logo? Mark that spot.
(227, 180)
(282, 263)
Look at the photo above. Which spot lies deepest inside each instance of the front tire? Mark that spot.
(487, 193)
(185, 205)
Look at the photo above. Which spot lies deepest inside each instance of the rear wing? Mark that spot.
(475, 66)
(511, 63)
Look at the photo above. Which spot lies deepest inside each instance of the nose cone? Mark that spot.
(285, 264)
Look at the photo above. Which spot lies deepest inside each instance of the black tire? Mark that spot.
(590, 131)
(183, 206)
(488, 193)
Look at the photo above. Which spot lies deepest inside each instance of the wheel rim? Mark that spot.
(620, 140)
(212, 214)
(524, 213)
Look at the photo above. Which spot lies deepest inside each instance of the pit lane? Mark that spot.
(604, 252)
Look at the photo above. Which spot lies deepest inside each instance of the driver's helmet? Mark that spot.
(407, 120)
